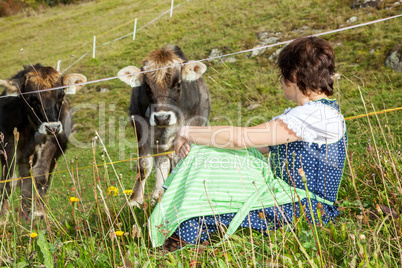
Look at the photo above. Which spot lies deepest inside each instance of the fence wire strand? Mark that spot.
(221, 56)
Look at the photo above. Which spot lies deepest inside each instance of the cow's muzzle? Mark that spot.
(51, 128)
(162, 119)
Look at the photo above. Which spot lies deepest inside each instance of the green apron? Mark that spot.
(213, 181)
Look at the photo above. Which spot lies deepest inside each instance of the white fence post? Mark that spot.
(135, 28)
(58, 65)
(171, 9)
(93, 52)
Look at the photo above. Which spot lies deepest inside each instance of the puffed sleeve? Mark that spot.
(315, 122)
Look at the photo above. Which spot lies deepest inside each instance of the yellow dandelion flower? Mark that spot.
(119, 233)
(74, 199)
(112, 191)
(33, 235)
(128, 192)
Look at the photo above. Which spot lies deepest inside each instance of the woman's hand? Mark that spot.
(181, 144)
(183, 151)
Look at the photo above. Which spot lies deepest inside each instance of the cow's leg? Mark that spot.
(144, 166)
(26, 150)
(162, 168)
(7, 163)
(46, 160)
(26, 187)
(143, 171)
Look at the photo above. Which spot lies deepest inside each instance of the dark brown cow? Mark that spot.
(43, 122)
(162, 100)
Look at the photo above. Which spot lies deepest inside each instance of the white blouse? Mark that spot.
(315, 122)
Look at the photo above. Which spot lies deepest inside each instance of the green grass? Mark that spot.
(78, 236)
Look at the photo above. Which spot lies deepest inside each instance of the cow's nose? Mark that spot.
(51, 128)
(162, 119)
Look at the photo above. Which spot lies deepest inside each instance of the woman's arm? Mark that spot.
(270, 133)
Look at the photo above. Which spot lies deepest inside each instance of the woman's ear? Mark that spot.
(294, 77)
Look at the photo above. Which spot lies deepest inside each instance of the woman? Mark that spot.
(220, 183)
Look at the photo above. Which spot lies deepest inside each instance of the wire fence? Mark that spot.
(221, 56)
(126, 35)
(206, 59)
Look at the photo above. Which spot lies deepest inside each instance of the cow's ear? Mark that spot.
(193, 70)
(11, 90)
(73, 79)
(131, 75)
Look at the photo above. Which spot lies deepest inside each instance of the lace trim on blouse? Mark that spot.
(297, 127)
(306, 122)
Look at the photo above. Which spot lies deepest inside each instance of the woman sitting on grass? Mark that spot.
(223, 180)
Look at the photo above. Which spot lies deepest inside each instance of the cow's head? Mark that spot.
(44, 106)
(162, 75)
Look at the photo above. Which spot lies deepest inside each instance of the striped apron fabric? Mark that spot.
(213, 181)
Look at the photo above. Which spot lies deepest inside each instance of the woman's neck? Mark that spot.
(301, 99)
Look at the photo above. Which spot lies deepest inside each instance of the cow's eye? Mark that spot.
(60, 102)
(33, 101)
(61, 98)
(147, 88)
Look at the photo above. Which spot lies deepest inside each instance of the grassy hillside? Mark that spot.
(371, 177)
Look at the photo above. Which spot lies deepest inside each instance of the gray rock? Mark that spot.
(301, 30)
(263, 35)
(215, 52)
(274, 56)
(104, 90)
(351, 20)
(269, 40)
(265, 38)
(394, 58)
(229, 59)
(253, 106)
(365, 3)
(257, 51)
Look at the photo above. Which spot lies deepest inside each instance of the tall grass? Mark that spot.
(100, 230)
(87, 233)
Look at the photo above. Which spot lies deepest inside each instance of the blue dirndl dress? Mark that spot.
(321, 152)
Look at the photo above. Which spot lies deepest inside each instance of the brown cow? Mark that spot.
(43, 122)
(162, 100)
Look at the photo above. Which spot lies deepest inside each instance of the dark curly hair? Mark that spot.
(309, 61)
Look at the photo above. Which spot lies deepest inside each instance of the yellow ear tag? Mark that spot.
(14, 94)
(71, 90)
(134, 82)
